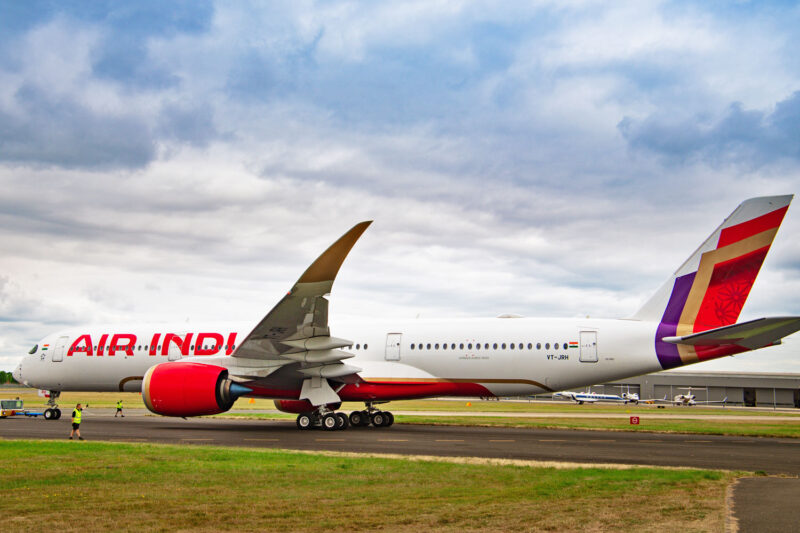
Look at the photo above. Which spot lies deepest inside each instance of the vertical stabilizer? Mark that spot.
(709, 290)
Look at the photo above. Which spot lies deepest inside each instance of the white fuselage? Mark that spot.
(507, 356)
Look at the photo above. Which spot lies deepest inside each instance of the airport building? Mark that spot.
(746, 389)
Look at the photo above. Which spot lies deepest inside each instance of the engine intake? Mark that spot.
(189, 389)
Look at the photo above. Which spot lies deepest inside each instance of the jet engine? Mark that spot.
(301, 406)
(189, 389)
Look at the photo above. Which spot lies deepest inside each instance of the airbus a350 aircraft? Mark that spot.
(292, 356)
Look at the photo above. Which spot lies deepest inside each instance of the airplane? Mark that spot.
(588, 397)
(592, 397)
(292, 356)
(689, 399)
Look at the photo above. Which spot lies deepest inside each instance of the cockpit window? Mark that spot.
(33, 350)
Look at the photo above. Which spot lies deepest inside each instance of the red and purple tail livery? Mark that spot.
(709, 290)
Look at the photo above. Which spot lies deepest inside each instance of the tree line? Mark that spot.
(6, 377)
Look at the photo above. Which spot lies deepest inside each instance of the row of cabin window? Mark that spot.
(502, 346)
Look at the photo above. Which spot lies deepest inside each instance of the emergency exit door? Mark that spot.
(393, 346)
(588, 346)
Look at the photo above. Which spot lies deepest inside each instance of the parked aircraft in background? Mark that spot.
(592, 397)
(691, 399)
(292, 356)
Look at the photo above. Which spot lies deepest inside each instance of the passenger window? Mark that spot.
(494, 346)
(547, 346)
(556, 346)
(436, 346)
(412, 345)
(469, 346)
(365, 346)
(453, 346)
(358, 346)
(538, 345)
(444, 346)
(478, 346)
(530, 346)
(429, 346)
(461, 346)
(486, 346)
(503, 346)
(512, 346)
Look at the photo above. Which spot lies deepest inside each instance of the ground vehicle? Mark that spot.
(16, 408)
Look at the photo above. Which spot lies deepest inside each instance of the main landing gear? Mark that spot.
(332, 421)
(53, 412)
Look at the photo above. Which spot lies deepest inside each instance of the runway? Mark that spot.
(770, 455)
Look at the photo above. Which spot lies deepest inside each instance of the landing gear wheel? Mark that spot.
(304, 421)
(343, 422)
(58, 413)
(378, 419)
(329, 422)
(49, 414)
(357, 418)
(389, 418)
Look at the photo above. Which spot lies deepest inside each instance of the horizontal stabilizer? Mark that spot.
(751, 335)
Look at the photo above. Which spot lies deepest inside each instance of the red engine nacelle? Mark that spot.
(301, 406)
(189, 389)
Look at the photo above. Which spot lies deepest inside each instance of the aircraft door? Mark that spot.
(393, 346)
(58, 350)
(174, 353)
(588, 347)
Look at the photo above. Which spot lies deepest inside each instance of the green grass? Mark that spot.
(70, 486)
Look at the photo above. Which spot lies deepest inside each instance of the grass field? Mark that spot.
(132, 487)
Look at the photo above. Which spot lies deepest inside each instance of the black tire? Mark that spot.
(389, 418)
(304, 421)
(49, 414)
(378, 419)
(356, 418)
(344, 422)
(365, 418)
(58, 413)
(330, 422)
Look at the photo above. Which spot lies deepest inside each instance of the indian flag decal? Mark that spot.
(45, 346)
(573, 344)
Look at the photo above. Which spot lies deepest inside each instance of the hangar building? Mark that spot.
(747, 389)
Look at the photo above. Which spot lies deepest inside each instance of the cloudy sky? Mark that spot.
(187, 160)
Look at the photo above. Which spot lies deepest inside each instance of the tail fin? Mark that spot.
(709, 290)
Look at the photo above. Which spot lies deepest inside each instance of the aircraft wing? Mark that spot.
(751, 335)
(296, 329)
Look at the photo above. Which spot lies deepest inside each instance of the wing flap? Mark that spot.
(753, 334)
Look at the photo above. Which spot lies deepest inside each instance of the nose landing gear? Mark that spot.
(53, 412)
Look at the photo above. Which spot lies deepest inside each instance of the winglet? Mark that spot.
(327, 265)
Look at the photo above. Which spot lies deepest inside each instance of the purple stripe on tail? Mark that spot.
(668, 353)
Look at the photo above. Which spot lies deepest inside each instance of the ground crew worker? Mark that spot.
(119, 410)
(76, 422)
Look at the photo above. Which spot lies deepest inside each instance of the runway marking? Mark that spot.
(263, 440)
(329, 440)
(552, 440)
(198, 439)
(392, 440)
(502, 440)
(651, 440)
(603, 440)
(449, 440)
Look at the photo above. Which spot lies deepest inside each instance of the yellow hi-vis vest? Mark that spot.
(76, 416)
(119, 404)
